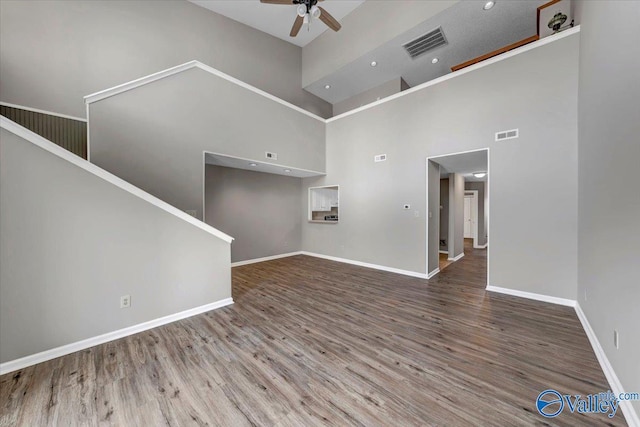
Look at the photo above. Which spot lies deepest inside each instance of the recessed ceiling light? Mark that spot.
(327, 86)
(488, 5)
(253, 165)
(435, 60)
(287, 170)
(480, 174)
(374, 63)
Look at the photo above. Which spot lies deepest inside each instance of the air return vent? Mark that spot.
(507, 134)
(425, 43)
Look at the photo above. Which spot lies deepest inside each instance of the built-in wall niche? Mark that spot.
(324, 204)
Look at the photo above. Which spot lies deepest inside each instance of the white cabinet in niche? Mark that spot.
(324, 204)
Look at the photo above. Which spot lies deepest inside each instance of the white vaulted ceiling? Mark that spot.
(277, 19)
(470, 32)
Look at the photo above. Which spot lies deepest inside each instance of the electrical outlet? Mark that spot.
(616, 339)
(125, 301)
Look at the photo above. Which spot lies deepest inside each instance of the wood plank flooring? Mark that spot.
(443, 261)
(313, 342)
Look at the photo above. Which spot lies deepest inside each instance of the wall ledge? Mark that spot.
(124, 87)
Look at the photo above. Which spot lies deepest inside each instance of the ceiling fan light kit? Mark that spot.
(306, 10)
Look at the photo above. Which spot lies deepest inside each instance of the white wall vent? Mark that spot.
(425, 43)
(507, 134)
(380, 158)
(270, 155)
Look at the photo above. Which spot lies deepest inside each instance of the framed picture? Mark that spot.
(554, 17)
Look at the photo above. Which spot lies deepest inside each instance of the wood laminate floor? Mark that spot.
(314, 342)
(443, 261)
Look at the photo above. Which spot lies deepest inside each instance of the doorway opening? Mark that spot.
(458, 208)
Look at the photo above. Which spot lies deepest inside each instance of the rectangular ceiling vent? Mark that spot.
(425, 43)
(507, 134)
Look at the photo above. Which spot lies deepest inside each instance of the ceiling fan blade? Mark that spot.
(289, 2)
(297, 24)
(329, 20)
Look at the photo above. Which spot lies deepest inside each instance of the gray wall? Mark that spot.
(52, 53)
(379, 92)
(154, 136)
(457, 115)
(482, 213)
(72, 244)
(444, 213)
(261, 211)
(609, 202)
(358, 37)
(455, 244)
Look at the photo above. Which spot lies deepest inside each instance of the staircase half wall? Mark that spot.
(74, 239)
(154, 131)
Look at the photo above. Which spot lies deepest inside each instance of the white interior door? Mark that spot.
(468, 217)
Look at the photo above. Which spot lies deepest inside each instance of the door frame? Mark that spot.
(474, 213)
(487, 190)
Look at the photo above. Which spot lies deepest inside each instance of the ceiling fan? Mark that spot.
(307, 9)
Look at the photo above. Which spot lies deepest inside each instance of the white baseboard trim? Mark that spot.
(443, 252)
(616, 386)
(53, 353)
(531, 295)
(433, 273)
(267, 258)
(456, 258)
(368, 265)
(481, 246)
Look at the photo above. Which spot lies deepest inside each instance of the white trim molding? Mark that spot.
(480, 246)
(454, 259)
(368, 265)
(53, 353)
(106, 93)
(48, 113)
(433, 273)
(614, 382)
(52, 148)
(263, 259)
(443, 252)
(533, 296)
